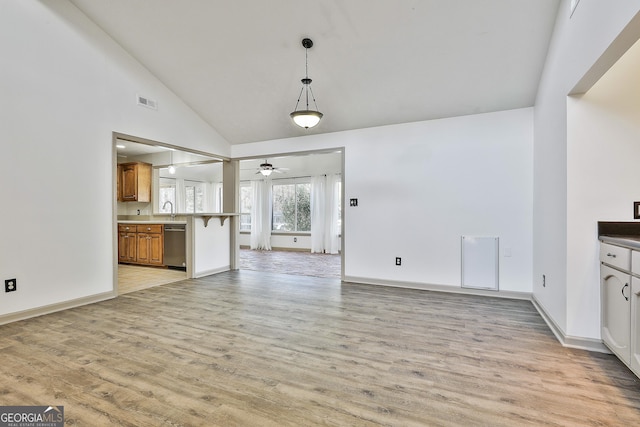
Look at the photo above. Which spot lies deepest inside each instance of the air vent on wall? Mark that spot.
(146, 102)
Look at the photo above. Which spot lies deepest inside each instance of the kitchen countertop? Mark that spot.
(155, 221)
(223, 216)
(631, 242)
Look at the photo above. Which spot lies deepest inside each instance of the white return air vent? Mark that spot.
(147, 102)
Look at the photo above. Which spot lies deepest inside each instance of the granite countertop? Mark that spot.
(631, 242)
(626, 234)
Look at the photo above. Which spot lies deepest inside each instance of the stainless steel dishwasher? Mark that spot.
(175, 247)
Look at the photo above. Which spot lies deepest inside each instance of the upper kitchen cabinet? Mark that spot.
(134, 182)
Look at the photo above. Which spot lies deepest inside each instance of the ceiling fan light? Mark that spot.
(266, 172)
(306, 118)
(172, 169)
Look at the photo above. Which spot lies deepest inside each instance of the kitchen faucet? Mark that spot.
(173, 215)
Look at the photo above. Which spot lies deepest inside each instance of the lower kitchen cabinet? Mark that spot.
(150, 248)
(616, 311)
(127, 246)
(141, 244)
(635, 325)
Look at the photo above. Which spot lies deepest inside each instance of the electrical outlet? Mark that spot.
(10, 285)
(353, 202)
(398, 260)
(544, 281)
(295, 240)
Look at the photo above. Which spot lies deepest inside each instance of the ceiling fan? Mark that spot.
(267, 168)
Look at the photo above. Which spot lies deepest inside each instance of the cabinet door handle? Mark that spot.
(626, 285)
(612, 255)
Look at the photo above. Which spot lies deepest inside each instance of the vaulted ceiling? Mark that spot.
(238, 64)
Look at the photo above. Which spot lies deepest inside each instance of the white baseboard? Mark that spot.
(440, 288)
(204, 273)
(52, 308)
(590, 344)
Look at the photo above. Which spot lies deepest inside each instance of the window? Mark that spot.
(291, 207)
(193, 199)
(194, 196)
(245, 206)
(167, 193)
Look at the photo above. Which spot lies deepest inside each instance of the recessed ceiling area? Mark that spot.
(239, 64)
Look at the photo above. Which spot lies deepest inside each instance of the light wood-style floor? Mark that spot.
(291, 262)
(261, 349)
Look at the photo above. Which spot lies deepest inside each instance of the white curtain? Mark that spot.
(207, 194)
(317, 213)
(218, 196)
(324, 214)
(261, 215)
(213, 199)
(180, 196)
(332, 231)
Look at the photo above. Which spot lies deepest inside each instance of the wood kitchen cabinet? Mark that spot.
(134, 182)
(150, 245)
(141, 244)
(127, 243)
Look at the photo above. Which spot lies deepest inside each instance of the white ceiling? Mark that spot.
(238, 64)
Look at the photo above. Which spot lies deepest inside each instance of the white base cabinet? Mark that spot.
(635, 325)
(616, 311)
(620, 298)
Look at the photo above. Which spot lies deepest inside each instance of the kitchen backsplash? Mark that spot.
(133, 208)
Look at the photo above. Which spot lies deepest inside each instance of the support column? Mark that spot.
(231, 204)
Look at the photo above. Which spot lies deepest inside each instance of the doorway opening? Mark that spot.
(291, 214)
(173, 182)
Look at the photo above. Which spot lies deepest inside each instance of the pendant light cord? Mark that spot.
(306, 86)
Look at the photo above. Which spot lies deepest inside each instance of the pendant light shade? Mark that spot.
(306, 118)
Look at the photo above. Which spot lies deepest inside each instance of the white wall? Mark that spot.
(582, 47)
(65, 88)
(421, 186)
(603, 143)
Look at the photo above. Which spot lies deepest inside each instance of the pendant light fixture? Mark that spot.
(171, 168)
(306, 118)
